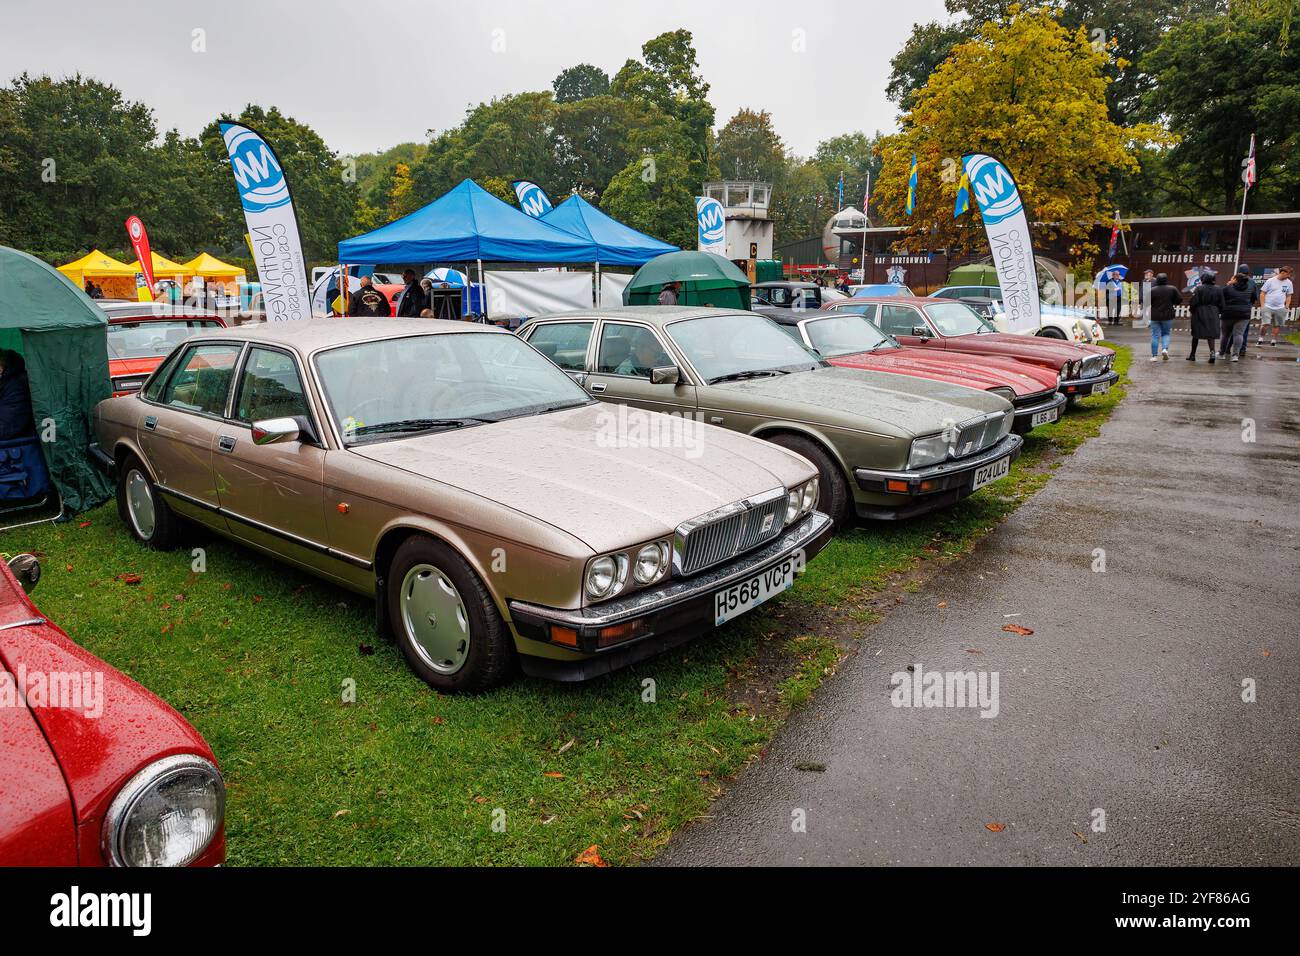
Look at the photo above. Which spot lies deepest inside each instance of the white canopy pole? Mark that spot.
(482, 289)
(598, 283)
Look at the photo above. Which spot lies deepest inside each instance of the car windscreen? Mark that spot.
(152, 338)
(739, 346)
(954, 318)
(846, 334)
(419, 383)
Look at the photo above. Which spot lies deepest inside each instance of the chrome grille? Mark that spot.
(979, 433)
(725, 532)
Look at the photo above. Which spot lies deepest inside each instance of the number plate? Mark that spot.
(991, 472)
(1101, 388)
(753, 591)
(1044, 417)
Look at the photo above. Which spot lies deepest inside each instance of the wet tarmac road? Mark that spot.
(1124, 707)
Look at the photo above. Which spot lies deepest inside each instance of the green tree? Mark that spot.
(668, 77)
(579, 83)
(1218, 80)
(748, 148)
(655, 194)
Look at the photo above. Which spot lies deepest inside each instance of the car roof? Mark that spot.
(652, 314)
(785, 284)
(890, 299)
(312, 334)
(117, 311)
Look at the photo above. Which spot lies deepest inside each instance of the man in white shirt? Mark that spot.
(1275, 301)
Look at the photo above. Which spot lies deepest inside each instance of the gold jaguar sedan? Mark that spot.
(500, 517)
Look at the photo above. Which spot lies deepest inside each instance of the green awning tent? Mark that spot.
(63, 338)
(705, 279)
(973, 273)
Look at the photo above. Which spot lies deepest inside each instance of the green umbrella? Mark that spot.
(705, 279)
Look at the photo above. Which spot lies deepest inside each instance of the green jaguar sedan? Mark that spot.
(885, 446)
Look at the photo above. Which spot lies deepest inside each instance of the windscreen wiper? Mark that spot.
(753, 373)
(418, 425)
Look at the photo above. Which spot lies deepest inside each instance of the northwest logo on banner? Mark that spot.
(712, 226)
(135, 231)
(272, 225)
(532, 198)
(1003, 212)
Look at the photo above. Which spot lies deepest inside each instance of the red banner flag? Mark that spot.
(140, 243)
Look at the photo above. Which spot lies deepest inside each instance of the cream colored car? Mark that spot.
(499, 516)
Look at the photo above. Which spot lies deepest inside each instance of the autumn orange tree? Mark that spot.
(1033, 94)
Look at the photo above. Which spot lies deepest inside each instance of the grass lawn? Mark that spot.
(258, 657)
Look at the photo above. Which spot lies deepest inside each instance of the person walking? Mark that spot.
(1275, 302)
(1238, 299)
(1144, 294)
(1162, 300)
(1206, 309)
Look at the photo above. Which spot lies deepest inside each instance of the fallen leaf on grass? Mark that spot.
(129, 578)
(554, 775)
(68, 567)
(995, 827)
(84, 524)
(1017, 629)
(341, 813)
(566, 746)
(590, 857)
(366, 649)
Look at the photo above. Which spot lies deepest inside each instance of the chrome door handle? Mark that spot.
(151, 422)
(226, 442)
(597, 386)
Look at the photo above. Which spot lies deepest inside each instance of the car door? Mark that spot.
(564, 343)
(903, 321)
(621, 371)
(179, 424)
(271, 495)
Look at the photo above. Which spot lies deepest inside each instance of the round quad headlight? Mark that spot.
(809, 496)
(605, 576)
(651, 562)
(166, 815)
(793, 500)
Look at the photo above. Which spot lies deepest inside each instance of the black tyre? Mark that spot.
(833, 499)
(1051, 333)
(143, 510)
(444, 620)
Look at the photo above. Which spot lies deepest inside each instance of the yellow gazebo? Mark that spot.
(116, 278)
(210, 267)
(164, 268)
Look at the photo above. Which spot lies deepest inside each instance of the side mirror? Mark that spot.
(272, 431)
(665, 375)
(921, 331)
(27, 569)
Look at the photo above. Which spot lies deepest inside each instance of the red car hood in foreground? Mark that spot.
(61, 767)
(1031, 348)
(983, 372)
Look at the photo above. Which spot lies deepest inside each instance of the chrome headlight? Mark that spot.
(166, 815)
(811, 489)
(652, 562)
(928, 451)
(606, 576)
(793, 501)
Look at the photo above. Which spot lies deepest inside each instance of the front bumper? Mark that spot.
(1024, 419)
(663, 617)
(1083, 387)
(925, 489)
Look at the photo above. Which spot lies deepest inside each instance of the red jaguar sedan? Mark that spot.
(848, 339)
(941, 325)
(94, 769)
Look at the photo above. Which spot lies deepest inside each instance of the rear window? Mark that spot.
(153, 338)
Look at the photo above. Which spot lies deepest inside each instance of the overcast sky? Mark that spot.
(368, 75)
